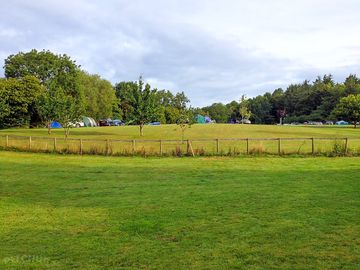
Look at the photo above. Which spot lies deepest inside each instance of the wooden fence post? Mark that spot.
(217, 146)
(190, 149)
(247, 146)
(346, 145)
(7, 141)
(133, 147)
(279, 146)
(313, 146)
(161, 147)
(81, 146)
(29, 142)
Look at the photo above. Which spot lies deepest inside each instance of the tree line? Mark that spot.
(320, 100)
(40, 87)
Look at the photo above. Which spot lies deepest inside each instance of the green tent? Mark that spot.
(200, 119)
(88, 121)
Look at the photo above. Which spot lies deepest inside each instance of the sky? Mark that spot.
(214, 51)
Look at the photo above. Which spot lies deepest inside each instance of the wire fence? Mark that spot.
(193, 147)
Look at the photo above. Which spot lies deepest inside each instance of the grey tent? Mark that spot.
(88, 121)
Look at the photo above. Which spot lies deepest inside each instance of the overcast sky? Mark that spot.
(213, 50)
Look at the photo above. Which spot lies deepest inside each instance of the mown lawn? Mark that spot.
(96, 139)
(71, 212)
(196, 131)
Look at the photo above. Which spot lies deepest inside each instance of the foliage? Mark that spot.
(218, 112)
(184, 121)
(100, 96)
(168, 106)
(68, 110)
(5, 108)
(123, 92)
(260, 108)
(171, 106)
(48, 109)
(52, 70)
(140, 103)
(349, 109)
(307, 101)
(244, 111)
(55, 73)
(18, 100)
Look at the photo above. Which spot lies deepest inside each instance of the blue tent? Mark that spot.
(207, 120)
(55, 124)
(342, 122)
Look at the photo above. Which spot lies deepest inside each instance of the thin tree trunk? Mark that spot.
(67, 131)
(49, 127)
(141, 129)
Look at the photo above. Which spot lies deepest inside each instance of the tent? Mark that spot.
(208, 120)
(88, 121)
(55, 124)
(342, 122)
(200, 119)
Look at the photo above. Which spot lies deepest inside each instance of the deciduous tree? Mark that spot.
(18, 100)
(143, 102)
(244, 111)
(349, 109)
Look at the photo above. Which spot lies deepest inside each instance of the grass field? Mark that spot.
(99, 135)
(197, 131)
(70, 212)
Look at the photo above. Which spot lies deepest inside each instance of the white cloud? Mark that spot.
(213, 50)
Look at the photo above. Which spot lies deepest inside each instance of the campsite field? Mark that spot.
(196, 131)
(205, 140)
(71, 212)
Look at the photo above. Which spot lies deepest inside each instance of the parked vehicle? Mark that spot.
(117, 122)
(154, 124)
(77, 124)
(245, 121)
(105, 123)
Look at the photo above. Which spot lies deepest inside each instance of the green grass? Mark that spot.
(70, 212)
(100, 134)
(195, 132)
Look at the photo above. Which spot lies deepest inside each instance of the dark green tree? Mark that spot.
(100, 96)
(352, 85)
(260, 108)
(143, 103)
(349, 109)
(219, 112)
(124, 92)
(18, 98)
(52, 70)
